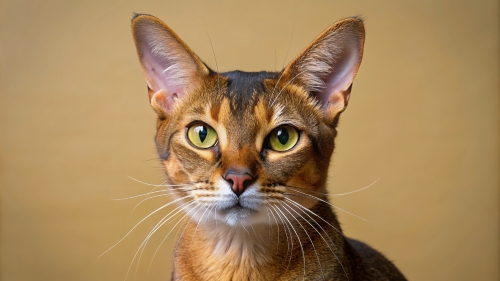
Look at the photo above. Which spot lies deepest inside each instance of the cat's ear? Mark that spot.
(327, 67)
(170, 67)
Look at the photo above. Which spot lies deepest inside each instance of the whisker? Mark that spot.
(284, 61)
(152, 159)
(302, 207)
(321, 238)
(151, 192)
(244, 228)
(283, 88)
(306, 209)
(158, 185)
(277, 226)
(208, 215)
(173, 227)
(288, 49)
(308, 190)
(305, 231)
(162, 207)
(275, 60)
(163, 221)
(324, 201)
(269, 223)
(206, 209)
(137, 205)
(289, 248)
(251, 226)
(182, 233)
(298, 238)
(215, 215)
(357, 190)
(215, 58)
(275, 85)
(334, 194)
(143, 200)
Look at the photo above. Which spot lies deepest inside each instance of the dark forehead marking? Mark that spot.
(241, 85)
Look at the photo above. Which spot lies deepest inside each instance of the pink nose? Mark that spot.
(238, 181)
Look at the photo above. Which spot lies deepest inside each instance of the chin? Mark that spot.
(238, 216)
(243, 217)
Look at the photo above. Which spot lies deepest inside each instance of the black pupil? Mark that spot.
(202, 132)
(282, 135)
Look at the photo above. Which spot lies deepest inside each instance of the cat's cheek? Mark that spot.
(307, 177)
(174, 170)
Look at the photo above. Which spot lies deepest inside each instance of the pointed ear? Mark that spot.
(170, 67)
(327, 67)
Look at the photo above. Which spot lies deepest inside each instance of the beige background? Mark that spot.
(75, 123)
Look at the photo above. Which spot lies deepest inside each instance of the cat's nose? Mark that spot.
(239, 180)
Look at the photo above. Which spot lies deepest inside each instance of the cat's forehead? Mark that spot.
(242, 85)
(250, 99)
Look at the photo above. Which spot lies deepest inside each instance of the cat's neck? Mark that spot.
(258, 252)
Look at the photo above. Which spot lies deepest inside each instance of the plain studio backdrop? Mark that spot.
(76, 126)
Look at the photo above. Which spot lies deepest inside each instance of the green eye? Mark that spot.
(202, 135)
(283, 138)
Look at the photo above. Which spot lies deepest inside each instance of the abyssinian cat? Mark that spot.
(246, 156)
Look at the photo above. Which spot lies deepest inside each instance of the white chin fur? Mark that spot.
(245, 211)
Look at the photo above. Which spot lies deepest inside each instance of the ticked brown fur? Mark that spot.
(281, 227)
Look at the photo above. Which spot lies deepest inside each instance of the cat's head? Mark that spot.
(241, 145)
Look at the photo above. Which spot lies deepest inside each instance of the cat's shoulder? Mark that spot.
(376, 264)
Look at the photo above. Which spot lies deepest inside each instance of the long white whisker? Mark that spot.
(298, 238)
(145, 199)
(244, 228)
(141, 195)
(173, 227)
(277, 227)
(289, 248)
(163, 221)
(251, 226)
(269, 222)
(306, 209)
(288, 49)
(328, 245)
(291, 80)
(182, 233)
(206, 209)
(357, 190)
(215, 58)
(324, 201)
(284, 61)
(162, 207)
(305, 231)
(158, 185)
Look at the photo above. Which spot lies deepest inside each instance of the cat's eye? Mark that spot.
(283, 138)
(201, 135)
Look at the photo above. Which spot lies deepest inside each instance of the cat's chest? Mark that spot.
(224, 255)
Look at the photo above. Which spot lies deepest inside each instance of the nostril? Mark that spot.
(247, 183)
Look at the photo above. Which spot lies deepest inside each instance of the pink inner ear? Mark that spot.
(159, 75)
(339, 79)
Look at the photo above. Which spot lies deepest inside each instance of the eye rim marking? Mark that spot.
(297, 135)
(209, 128)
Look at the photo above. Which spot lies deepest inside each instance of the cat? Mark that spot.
(246, 156)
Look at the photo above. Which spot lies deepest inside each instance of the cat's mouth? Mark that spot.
(237, 215)
(237, 206)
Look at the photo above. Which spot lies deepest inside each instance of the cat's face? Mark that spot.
(239, 151)
(238, 146)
